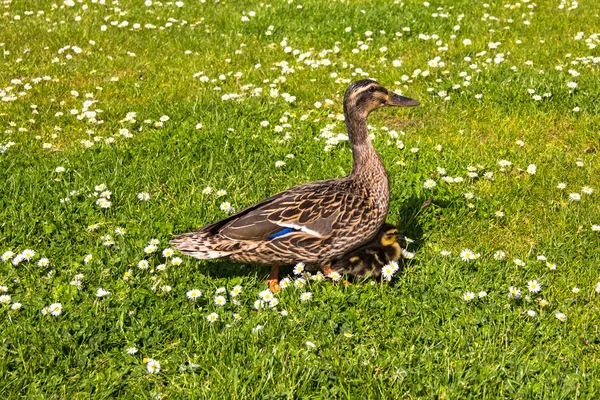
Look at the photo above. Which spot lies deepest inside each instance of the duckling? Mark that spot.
(369, 259)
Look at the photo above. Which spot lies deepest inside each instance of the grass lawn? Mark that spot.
(124, 122)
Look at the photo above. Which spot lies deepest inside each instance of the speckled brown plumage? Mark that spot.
(369, 259)
(315, 222)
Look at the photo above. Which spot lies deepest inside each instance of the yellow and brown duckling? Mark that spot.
(317, 222)
(370, 259)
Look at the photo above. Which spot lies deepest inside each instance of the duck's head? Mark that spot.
(367, 95)
(388, 235)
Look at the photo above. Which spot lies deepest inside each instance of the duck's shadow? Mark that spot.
(406, 218)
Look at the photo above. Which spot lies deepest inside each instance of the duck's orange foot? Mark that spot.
(273, 285)
(346, 283)
(327, 271)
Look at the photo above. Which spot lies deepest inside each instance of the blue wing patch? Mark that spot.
(282, 232)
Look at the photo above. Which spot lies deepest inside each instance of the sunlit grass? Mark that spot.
(413, 337)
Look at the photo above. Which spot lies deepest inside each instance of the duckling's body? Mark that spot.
(315, 222)
(369, 259)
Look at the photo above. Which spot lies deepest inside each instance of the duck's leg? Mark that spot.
(273, 280)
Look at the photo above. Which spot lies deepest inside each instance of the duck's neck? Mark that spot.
(366, 160)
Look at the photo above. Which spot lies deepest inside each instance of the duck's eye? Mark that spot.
(372, 89)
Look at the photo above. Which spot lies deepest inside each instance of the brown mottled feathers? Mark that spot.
(330, 214)
(369, 259)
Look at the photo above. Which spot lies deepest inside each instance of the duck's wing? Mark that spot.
(315, 211)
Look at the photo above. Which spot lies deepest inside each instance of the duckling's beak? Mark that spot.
(397, 100)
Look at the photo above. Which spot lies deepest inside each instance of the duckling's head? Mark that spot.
(367, 95)
(388, 235)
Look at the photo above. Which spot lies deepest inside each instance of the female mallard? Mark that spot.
(369, 259)
(315, 222)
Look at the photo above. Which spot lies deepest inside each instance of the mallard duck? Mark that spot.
(369, 259)
(315, 222)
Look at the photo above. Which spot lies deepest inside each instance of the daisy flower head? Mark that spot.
(131, 350)
(226, 206)
(305, 296)
(27, 254)
(310, 344)
(285, 283)
(220, 301)
(531, 313)
(143, 196)
(220, 290)
(266, 295)
(102, 292)
(597, 288)
(596, 228)
(514, 293)
(519, 262)
(143, 264)
(299, 268)
(176, 261)
(318, 277)
(587, 190)
(468, 296)
(273, 303)
(16, 306)
(258, 304)
(7, 255)
(504, 163)
(445, 253)
(533, 286)
(168, 252)
(468, 255)
(531, 169)
(499, 214)
(207, 190)
(334, 276)
(575, 290)
(153, 366)
(551, 266)
(388, 272)
(212, 317)
(17, 259)
(543, 303)
(193, 294)
(221, 192)
(151, 248)
(561, 317)
(43, 262)
(300, 282)
(5, 299)
(236, 290)
(574, 196)
(429, 184)
(166, 288)
(482, 294)
(55, 309)
(120, 231)
(561, 186)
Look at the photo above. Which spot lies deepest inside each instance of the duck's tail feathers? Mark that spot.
(204, 246)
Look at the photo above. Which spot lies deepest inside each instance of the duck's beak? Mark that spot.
(397, 100)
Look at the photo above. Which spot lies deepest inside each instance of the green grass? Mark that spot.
(414, 337)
